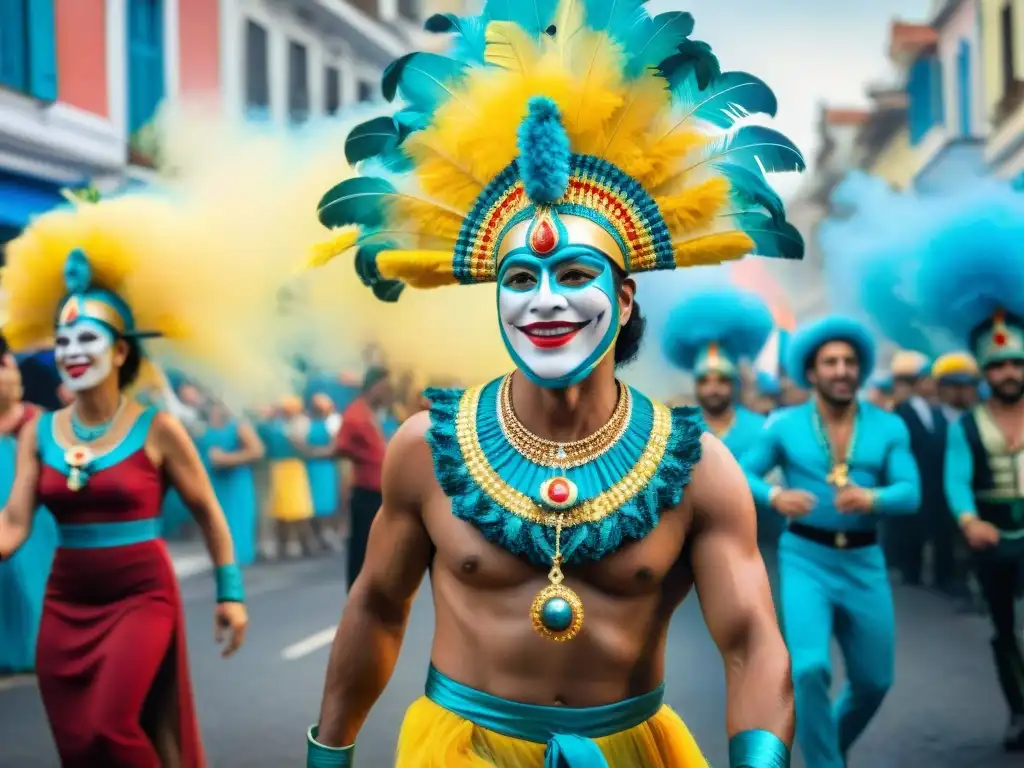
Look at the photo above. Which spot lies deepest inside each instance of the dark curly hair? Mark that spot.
(627, 345)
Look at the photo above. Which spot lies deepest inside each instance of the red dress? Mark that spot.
(111, 660)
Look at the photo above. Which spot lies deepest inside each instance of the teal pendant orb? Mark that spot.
(556, 614)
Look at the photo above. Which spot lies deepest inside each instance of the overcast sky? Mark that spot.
(808, 51)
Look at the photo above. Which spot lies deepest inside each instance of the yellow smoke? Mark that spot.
(254, 191)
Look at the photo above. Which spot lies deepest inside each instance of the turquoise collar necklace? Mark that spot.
(560, 504)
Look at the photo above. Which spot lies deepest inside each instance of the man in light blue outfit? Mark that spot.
(845, 463)
(709, 334)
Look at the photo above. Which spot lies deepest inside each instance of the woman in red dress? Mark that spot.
(111, 659)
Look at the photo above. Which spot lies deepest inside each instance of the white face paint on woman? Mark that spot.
(559, 315)
(84, 354)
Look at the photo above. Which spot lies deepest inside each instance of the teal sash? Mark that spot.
(114, 534)
(568, 732)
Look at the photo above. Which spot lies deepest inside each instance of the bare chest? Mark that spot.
(637, 568)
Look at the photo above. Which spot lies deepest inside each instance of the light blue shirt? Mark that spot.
(742, 434)
(882, 461)
(959, 472)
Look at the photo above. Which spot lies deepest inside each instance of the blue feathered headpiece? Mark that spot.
(808, 339)
(716, 329)
(971, 275)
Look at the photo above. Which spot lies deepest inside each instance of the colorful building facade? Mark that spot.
(1002, 36)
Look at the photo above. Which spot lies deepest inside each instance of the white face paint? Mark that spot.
(559, 315)
(84, 354)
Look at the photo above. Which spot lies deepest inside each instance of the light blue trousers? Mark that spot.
(844, 593)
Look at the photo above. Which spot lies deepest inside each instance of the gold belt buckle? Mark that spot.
(841, 541)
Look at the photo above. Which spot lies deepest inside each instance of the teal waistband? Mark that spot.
(567, 731)
(104, 535)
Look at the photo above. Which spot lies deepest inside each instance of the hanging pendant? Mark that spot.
(77, 457)
(839, 476)
(557, 611)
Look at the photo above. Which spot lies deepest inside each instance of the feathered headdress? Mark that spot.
(581, 121)
(714, 330)
(971, 275)
(810, 337)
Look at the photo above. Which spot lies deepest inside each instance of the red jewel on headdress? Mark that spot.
(999, 338)
(72, 311)
(543, 238)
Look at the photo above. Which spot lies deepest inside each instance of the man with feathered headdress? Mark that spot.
(845, 465)
(970, 282)
(561, 148)
(710, 334)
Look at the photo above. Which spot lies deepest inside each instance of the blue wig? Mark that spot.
(734, 324)
(809, 338)
(971, 275)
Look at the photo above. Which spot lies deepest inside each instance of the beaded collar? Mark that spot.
(621, 493)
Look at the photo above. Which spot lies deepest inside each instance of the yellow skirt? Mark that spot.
(290, 497)
(433, 737)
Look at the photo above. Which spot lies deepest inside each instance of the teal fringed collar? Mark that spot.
(622, 493)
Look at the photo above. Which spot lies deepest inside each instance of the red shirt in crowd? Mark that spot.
(361, 441)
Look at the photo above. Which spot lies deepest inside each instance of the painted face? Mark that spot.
(84, 354)
(559, 315)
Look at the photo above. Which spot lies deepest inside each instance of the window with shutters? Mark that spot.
(298, 82)
(964, 90)
(332, 90)
(366, 91)
(409, 10)
(925, 98)
(1013, 84)
(257, 70)
(146, 79)
(28, 52)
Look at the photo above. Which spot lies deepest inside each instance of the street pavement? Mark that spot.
(944, 711)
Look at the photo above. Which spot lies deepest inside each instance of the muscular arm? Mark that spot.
(959, 472)
(16, 516)
(177, 455)
(902, 495)
(732, 585)
(760, 459)
(373, 624)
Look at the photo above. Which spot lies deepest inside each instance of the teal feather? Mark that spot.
(732, 96)
(772, 239)
(543, 152)
(693, 60)
(619, 18)
(370, 139)
(534, 16)
(77, 272)
(751, 188)
(752, 144)
(357, 201)
(408, 121)
(366, 269)
(469, 39)
(422, 79)
(654, 40)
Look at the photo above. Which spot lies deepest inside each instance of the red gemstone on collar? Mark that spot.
(543, 239)
(558, 491)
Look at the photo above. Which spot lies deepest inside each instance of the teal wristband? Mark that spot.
(229, 584)
(319, 756)
(757, 749)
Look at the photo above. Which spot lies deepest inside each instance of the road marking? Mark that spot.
(16, 681)
(309, 645)
(191, 565)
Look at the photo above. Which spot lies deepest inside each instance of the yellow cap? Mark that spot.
(908, 363)
(958, 364)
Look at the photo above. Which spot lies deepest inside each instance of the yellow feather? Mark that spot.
(712, 249)
(419, 269)
(429, 222)
(628, 137)
(595, 61)
(664, 159)
(694, 208)
(510, 47)
(322, 253)
(439, 174)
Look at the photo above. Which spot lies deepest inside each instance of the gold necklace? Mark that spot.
(557, 611)
(555, 455)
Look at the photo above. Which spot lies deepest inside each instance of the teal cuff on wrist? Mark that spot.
(757, 749)
(319, 756)
(229, 584)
